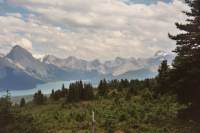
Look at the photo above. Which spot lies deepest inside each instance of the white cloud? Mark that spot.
(25, 43)
(91, 29)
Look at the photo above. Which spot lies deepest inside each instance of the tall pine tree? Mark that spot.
(162, 78)
(185, 75)
(103, 88)
(39, 98)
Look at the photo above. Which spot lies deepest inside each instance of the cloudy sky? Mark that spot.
(89, 29)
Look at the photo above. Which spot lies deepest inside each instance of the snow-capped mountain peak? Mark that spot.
(49, 59)
(24, 59)
(18, 52)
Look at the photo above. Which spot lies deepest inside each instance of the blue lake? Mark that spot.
(45, 88)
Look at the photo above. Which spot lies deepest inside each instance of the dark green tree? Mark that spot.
(63, 87)
(64, 91)
(22, 102)
(162, 78)
(57, 95)
(103, 88)
(52, 95)
(88, 92)
(12, 121)
(6, 114)
(71, 94)
(39, 98)
(114, 84)
(124, 83)
(75, 91)
(80, 92)
(185, 75)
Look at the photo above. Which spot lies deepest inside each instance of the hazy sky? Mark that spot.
(89, 29)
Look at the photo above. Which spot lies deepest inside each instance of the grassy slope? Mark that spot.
(139, 114)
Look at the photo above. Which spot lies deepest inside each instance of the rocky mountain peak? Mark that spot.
(19, 53)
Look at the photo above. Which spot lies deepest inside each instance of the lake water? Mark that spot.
(45, 88)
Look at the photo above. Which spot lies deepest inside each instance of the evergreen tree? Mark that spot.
(58, 94)
(103, 88)
(39, 98)
(124, 83)
(75, 90)
(52, 95)
(6, 114)
(114, 84)
(63, 87)
(185, 75)
(22, 102)
(69, 97)
(64, 91)
(88, 90)
(79, 92)
(162, 78)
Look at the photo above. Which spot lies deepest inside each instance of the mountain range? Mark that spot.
(19, 70)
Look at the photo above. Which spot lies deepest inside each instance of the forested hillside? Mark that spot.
(119, 106)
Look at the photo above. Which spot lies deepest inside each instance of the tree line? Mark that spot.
(76, 92)
(80, 91)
